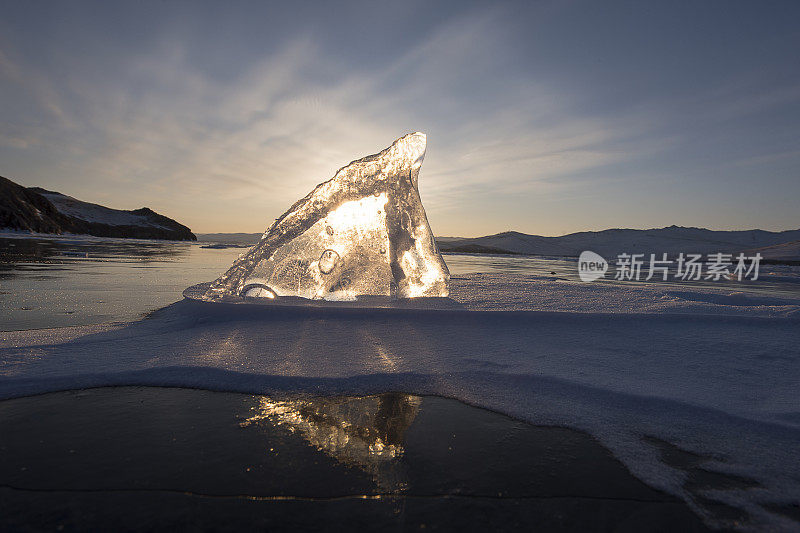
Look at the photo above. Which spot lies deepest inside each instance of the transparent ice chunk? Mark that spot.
(362, 233)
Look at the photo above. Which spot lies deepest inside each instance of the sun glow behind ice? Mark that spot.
(362, 233)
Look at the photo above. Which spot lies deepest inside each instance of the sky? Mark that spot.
(545, 117)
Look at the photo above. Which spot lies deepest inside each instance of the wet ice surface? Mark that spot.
(97, 458)
(710, 371)
(52, 282)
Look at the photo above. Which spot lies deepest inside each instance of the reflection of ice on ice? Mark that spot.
(363, 232)
(364, 432)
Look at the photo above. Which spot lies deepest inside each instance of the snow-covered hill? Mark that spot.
(67, 205)
(41, 211)
(672, 240)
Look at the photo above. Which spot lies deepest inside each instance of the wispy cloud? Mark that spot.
(268, 137)
(231, 153)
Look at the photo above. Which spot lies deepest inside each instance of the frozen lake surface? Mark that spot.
(97, 458)
(684, 383)
(50, 282)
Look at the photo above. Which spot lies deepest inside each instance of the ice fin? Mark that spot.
(363, 232)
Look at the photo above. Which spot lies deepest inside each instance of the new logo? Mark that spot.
(591, 266)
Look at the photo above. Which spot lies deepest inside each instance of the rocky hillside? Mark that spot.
(41, 211)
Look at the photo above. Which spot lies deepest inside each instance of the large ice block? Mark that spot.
(362, 233)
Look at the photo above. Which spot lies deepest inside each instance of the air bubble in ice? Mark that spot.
(327, 261)
(258, 290)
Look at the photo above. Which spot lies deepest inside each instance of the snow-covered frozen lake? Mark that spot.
(682, 382)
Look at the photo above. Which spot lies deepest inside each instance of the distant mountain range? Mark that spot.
(608, 243)
(41, 211)
(230, 238)
(772, 245)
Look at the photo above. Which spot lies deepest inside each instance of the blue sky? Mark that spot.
(543, 117)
